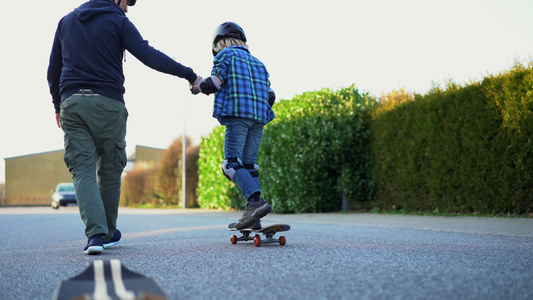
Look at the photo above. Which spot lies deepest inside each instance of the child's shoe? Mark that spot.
(257, 225)
(254, 211)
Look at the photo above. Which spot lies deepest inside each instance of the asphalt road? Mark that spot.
(327, 256)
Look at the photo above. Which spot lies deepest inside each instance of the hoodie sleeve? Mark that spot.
(54, 71)
(152, 57)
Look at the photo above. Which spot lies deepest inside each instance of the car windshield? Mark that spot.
(68, 188)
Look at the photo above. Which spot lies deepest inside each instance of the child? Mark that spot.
(243, 103)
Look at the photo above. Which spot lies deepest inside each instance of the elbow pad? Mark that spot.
(271, 97)
(208, 85)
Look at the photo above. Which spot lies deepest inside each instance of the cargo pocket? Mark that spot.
(121, 158)
(67, 156)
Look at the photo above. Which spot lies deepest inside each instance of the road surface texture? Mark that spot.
(327, 256)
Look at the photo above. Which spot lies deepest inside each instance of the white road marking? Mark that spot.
(100, 287)
(120, 288)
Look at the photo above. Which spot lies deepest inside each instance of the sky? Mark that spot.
(379, 46)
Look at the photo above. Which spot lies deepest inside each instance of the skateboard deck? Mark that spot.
(109, 280)
(268, 231)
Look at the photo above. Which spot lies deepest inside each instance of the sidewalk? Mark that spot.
(519, 227)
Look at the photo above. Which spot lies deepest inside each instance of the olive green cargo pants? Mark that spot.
(95, 131)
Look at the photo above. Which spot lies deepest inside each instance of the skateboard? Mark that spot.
(268, 232)
(109, 280)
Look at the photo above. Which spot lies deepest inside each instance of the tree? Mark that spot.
(169, 177)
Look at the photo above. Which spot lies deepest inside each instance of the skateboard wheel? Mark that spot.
(257, 240)
(234, 239)
(282, 240)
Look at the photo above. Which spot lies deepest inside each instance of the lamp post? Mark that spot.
(184, 171)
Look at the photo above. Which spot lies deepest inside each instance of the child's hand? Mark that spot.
(194, 89)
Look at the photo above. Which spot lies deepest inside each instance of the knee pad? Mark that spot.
(229, 172)
(253, 169)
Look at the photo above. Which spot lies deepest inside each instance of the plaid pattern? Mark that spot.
(244, 90)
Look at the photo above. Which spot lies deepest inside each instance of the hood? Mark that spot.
(92, 8)
(66, 193)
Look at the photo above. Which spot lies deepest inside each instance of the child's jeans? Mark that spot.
(242, 140)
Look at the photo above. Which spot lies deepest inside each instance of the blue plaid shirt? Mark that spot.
(244, 89)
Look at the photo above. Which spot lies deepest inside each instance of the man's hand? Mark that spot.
(198, 78)
(194, 86)
(57, 120)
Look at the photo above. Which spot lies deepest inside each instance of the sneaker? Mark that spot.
(95, 245)
(117, 237)
(257, 225)
(254, 211)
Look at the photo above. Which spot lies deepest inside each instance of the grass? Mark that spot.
(150, 205)
(377, 210)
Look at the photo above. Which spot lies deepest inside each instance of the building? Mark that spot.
(30, 179)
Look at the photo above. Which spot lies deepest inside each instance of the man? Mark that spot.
(86, 81)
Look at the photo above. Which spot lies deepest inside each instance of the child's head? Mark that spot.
(228, 34)
(228, 42)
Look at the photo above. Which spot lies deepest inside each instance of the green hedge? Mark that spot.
(511, 94)
(454, 150)
(314, 151)
(462, 149)
(317, 149)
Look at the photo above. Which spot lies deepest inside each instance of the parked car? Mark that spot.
(64, 195)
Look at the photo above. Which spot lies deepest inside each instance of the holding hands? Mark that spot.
(207, 85)
(193, 87)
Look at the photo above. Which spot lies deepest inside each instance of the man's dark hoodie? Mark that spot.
(88, 49)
